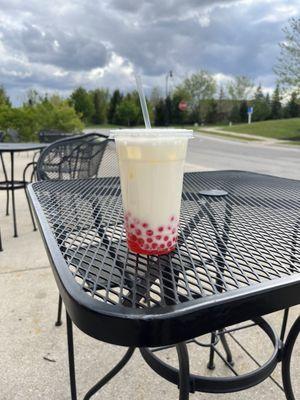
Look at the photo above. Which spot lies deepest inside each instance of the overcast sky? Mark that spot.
(55, 46)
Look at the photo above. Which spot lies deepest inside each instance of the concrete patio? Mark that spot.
(33, 363)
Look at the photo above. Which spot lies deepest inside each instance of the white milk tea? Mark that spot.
(151, 170)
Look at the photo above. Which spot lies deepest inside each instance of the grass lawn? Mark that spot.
(284, 129)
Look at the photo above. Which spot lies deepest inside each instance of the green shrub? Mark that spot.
(53, 113)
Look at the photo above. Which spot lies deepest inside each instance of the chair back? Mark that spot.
(78, 157)
(2, 134)
(13, 135)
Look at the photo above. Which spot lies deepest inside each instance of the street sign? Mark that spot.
(182, 105)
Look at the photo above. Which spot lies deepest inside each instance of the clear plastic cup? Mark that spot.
(151, 165)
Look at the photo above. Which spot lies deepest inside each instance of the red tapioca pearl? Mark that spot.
(147, 246)
(141, 241)
(160, 228)
(173, 230)
(149, 240)
(154, 245)
(174, 239)
(162, 246)
(169, 227)
(149, 232)
(172, 218)
(166, 238)
(145, 225)
(133, 238)
(169, 243)
(158, 237)
(138, 232)
(132, 226)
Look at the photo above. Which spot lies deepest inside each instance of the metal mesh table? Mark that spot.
(10, 184)
(237, 258)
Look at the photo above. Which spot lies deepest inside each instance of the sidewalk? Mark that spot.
(242, 136)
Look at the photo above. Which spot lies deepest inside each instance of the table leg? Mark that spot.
(284, 323)
(1, 248)
(71, 358)
(30, 209)
(286, 361)
(211, 364)
(184, 371)
(13, 193)
(6, 180)
(124, 360)
(58, 320)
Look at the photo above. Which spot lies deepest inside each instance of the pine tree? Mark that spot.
(276, 108)
(100, 99)
(293, 107)
(244, 111)
(115, 100)
(221, 109)
(168, 108)
(160, 113)
(212, 112)
(235, 114)
(261, 108)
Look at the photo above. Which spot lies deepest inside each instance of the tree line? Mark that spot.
(204, 103)
(197, 100)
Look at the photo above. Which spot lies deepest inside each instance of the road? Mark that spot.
(214, 153)
(218, 153)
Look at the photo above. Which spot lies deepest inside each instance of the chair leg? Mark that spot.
(71, 358)
(211, 364)
(184, 371)
(226, 348)
(1, 248)
(7, 202)
(59, 309)
(6, 179)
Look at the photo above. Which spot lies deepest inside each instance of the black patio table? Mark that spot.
(11, 184)
(237, 259)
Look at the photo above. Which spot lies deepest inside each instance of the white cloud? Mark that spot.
(55, 46)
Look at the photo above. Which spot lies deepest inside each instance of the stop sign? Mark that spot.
(182, 105)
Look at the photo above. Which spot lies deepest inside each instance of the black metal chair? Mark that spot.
(86, 156)
(13, 135)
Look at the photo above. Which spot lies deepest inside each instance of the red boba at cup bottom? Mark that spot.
(149, 249)
(142, 238)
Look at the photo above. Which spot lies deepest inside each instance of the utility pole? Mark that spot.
(169, 75)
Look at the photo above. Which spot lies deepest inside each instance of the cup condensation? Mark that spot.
(151, 165)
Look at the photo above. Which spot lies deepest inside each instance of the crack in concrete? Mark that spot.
(23, 270)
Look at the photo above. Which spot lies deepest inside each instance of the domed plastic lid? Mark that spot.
(148, 133)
